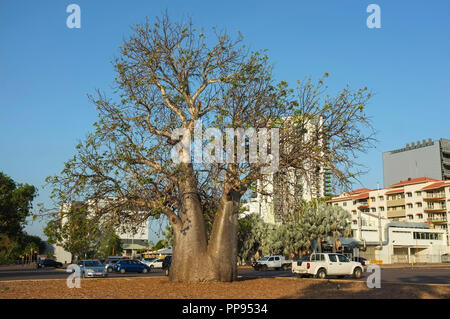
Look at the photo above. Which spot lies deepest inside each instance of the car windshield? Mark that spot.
(264, 259)
(92, 263)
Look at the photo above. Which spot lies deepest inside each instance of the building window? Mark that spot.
(410, 216)
(419, 204)
(410, 205)
(382, 209)
(344, 204)
(373, 199)
(374, 210)
(409, 194)
(418, 193)
(381, 197)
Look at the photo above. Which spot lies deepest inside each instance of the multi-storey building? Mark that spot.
(417, 209)
(426, 158)
(280, 194)
(133, 236)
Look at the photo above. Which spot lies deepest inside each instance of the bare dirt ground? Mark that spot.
(265, 288)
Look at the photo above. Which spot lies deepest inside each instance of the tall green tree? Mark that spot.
(319, 221)
(252, 231)
(76, 231)
(170, 75)
(168, 236)
(110, 244)
(15, 205)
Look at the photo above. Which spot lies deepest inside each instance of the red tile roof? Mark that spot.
(413, 181)
(435, 186)
(361, 196)
(338, 199)
(395, 191)
(360, 190)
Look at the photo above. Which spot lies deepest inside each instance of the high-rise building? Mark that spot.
(279, 194)
(426, 158)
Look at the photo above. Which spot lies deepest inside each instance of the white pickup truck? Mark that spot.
(327, 264)
(272, 262)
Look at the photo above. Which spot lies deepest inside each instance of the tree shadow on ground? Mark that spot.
(340, 289)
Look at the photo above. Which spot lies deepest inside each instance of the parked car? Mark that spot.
(148, 261)
(166, 264)
(92, 268)
(156, 264)
(272, 262)
(110, 262)
(322, 265)
(302, 259)
(129, 265)
(45, 263)
(362, 260)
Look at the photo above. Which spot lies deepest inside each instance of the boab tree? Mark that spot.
(169, 76)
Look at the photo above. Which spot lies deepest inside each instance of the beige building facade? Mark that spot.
(405, 222)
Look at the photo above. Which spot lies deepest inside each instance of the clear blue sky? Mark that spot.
(46, 69)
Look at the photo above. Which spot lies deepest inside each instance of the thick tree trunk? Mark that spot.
(195, 262)
(334, 241)
(319, 244)
(222, 248)
(193, 259)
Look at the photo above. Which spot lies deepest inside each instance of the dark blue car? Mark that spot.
(130, 265)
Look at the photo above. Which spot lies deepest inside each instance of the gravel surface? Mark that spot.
(160, 287)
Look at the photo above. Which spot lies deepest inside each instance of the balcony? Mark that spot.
(435, 209)
(396, 202)
(396, 213)
(434, 196)
(436, 219)
(446, 161)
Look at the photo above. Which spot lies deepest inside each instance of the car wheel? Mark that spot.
(285, 267)
(122, 270)
(144, 270)
(357, 273)
(321, 274)
(109, 269)
(264, 268)
(151, 267)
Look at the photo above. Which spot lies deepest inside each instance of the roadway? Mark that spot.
(417, 275)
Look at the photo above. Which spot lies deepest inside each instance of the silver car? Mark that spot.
(92, 268)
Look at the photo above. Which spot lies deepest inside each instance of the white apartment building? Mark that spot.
(406, 222)
(134, 237)
(280, 193)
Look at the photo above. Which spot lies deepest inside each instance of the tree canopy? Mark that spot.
(15, 205)
(170, 75)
